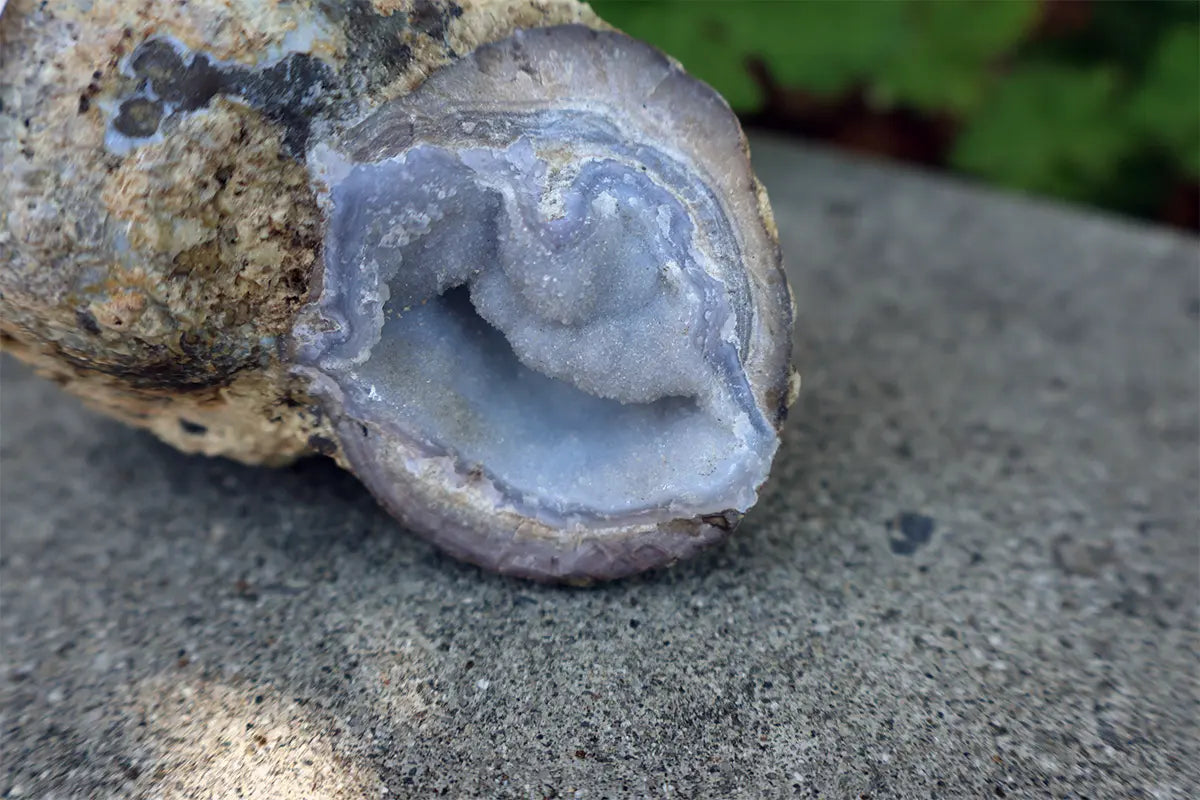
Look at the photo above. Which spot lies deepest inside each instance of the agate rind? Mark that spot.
(525, 150)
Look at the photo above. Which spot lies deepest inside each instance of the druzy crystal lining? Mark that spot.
(545, 318)
(551, 332)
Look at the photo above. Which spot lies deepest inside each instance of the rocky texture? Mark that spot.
(206, 243)
(553, 332)
(158, 232)
(204, 240)
(973, 573)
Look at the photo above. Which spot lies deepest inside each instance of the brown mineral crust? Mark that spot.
(249, 419)
(223, 238)
(485, 21)
(229, 30)
(222, 230)
(227, 234)
(434, 33)
(173, 329)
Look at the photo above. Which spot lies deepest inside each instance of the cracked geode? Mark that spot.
(509, 267)
(545, 311)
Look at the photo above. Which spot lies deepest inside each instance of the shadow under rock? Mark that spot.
(293, 583)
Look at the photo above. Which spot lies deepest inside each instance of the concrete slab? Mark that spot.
(974, 572)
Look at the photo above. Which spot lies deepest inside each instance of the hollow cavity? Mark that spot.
(551, 323)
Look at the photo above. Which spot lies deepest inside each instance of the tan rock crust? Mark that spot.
(154, 282)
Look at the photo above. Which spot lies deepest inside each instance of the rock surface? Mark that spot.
(160, 231)
(973, 571)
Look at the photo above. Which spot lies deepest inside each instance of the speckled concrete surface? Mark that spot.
(974, 572)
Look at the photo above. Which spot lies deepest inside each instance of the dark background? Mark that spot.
(1087, 101)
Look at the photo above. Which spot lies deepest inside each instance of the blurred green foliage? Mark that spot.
(1099, 104)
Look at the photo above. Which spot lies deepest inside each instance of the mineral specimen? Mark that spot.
(507, 265)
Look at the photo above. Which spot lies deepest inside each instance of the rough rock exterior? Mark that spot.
(158, 230)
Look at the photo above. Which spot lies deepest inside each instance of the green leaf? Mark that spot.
(1166, 107)
(822, 46)
(699, 35)
(945, 50)
(932, 55)
(1049, 129)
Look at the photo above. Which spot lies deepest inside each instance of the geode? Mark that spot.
(506, 264)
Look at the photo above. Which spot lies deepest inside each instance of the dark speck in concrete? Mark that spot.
(916, 530)
(1129, 603)
(841, 208)
(1082, 557)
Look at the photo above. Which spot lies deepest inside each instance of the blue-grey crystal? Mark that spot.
(552, 332)
(550, 324)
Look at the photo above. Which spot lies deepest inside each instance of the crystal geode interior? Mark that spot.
(536, 303)
(551, 327)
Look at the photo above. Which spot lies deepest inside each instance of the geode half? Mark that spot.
(533, 300)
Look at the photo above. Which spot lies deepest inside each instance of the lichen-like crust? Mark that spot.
(157, 230)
